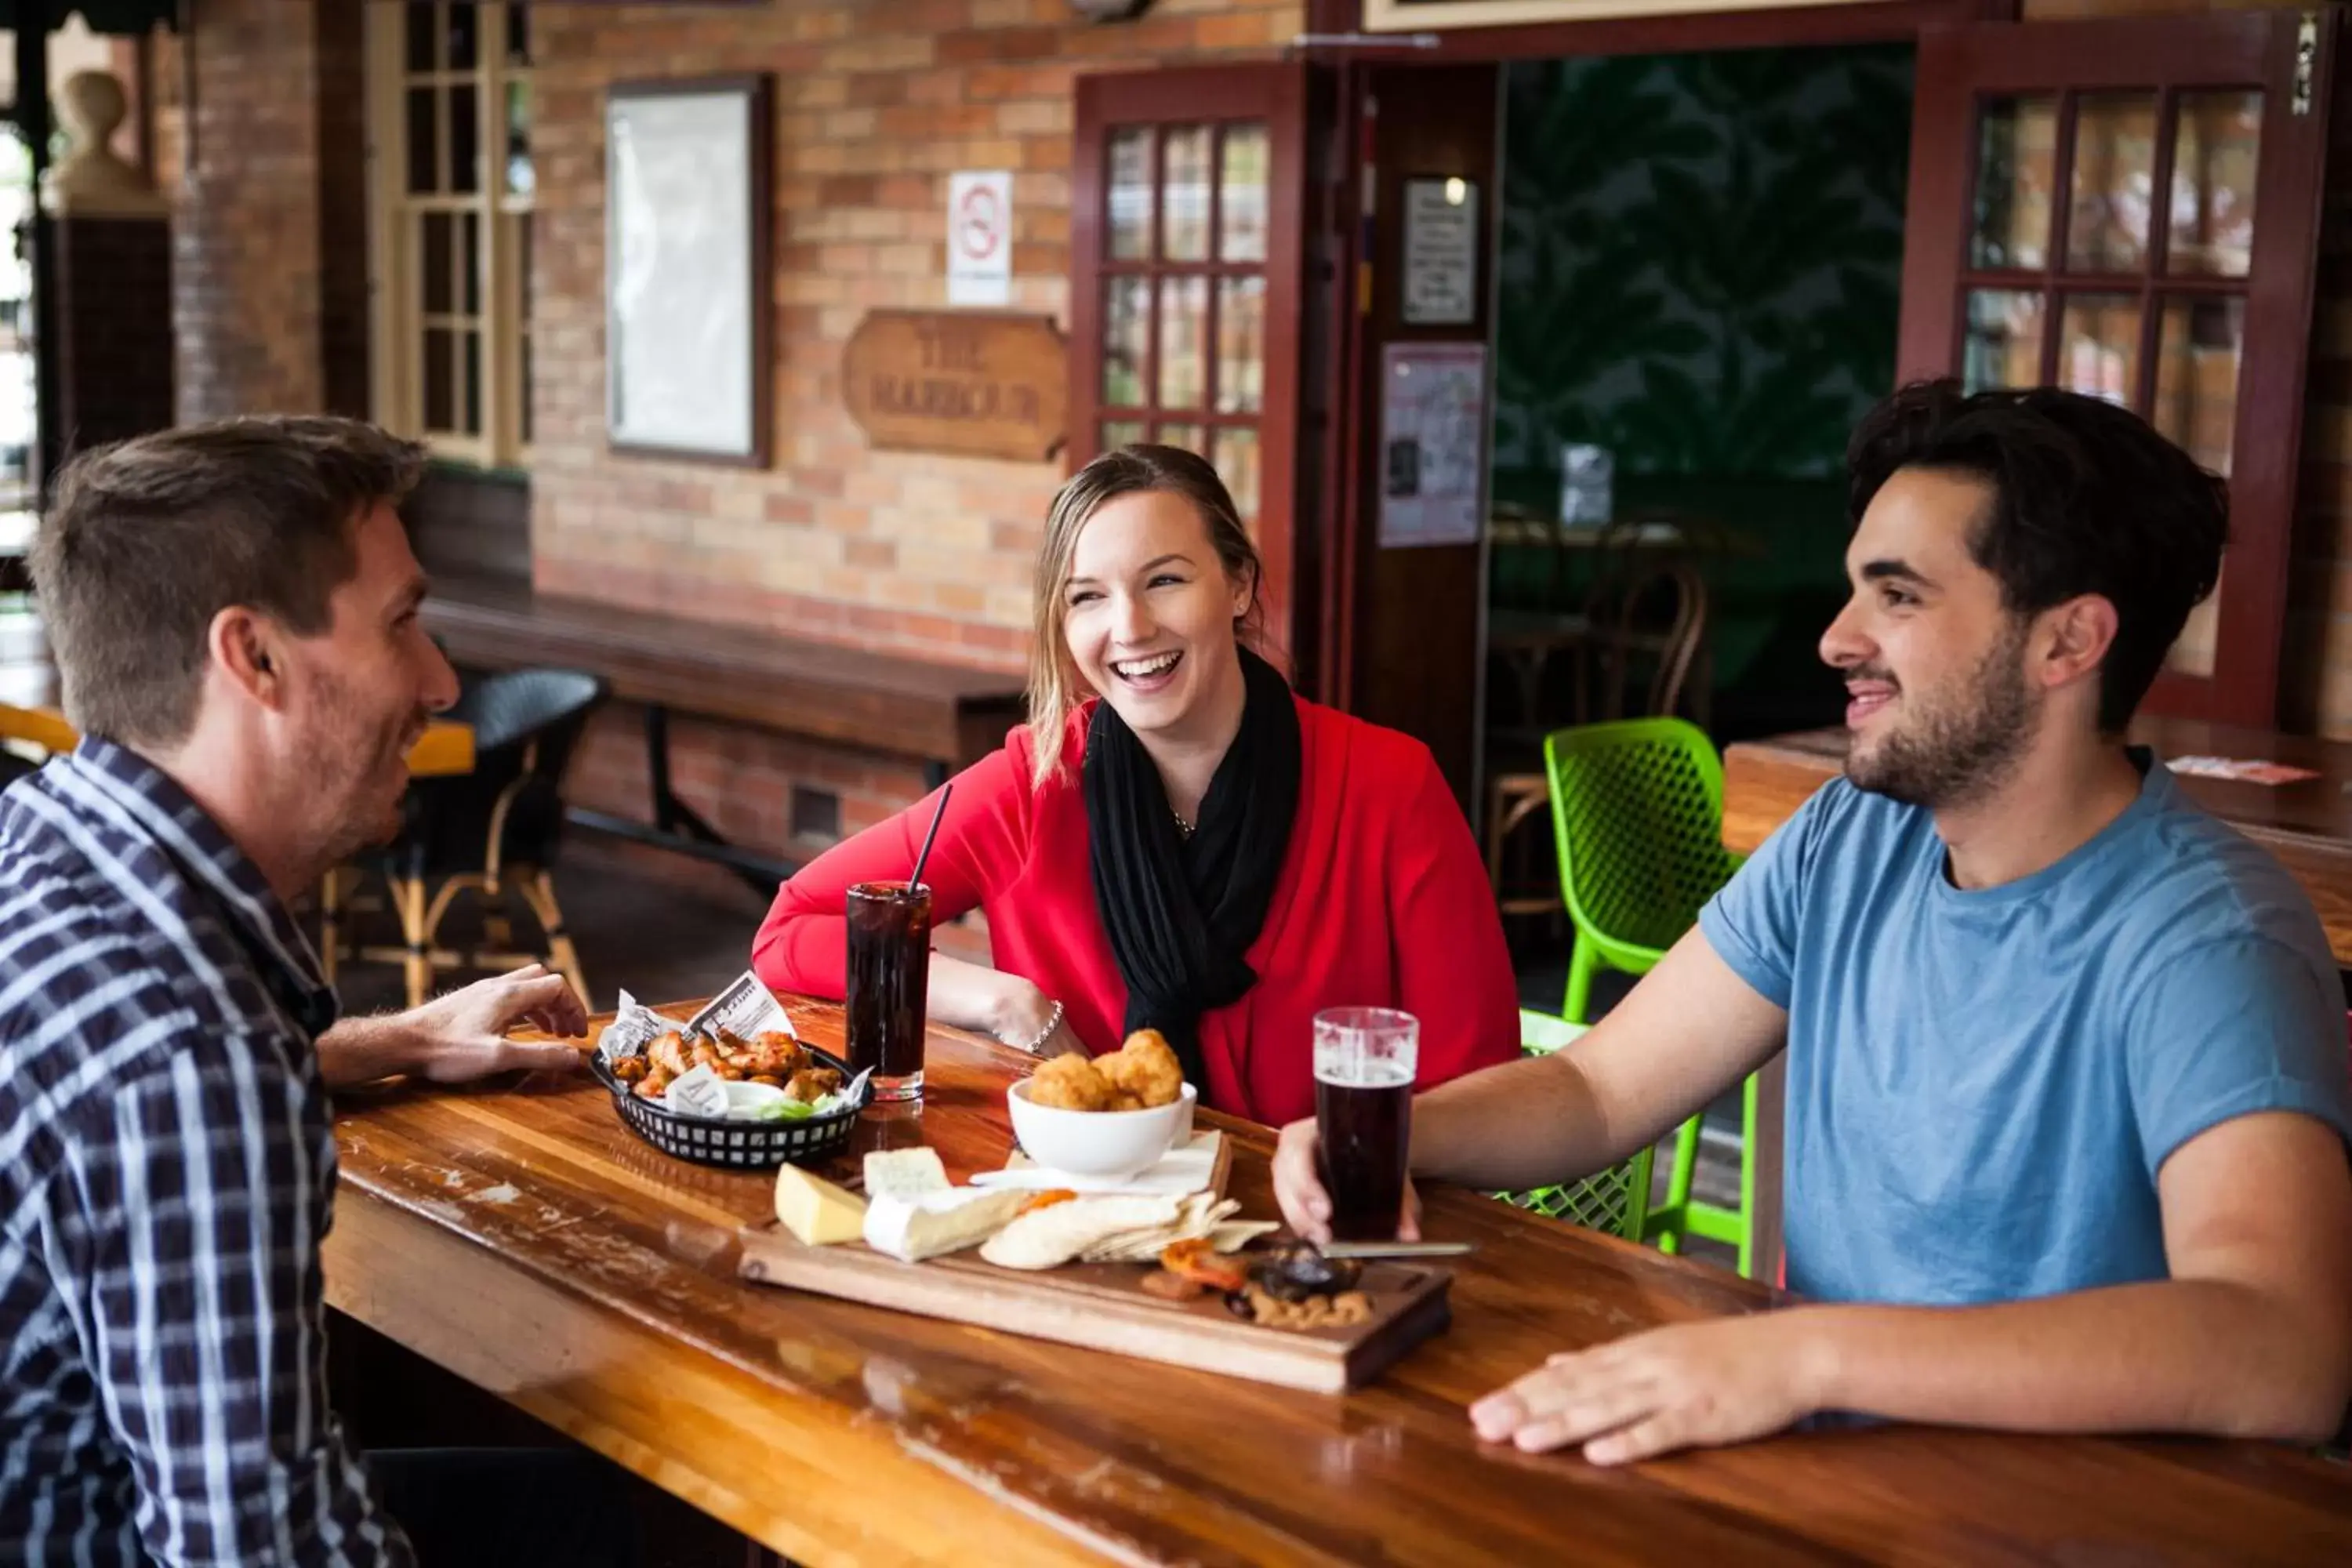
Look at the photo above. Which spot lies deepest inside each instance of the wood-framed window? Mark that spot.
(448, 85)
(2036, 253)
(1186, 226)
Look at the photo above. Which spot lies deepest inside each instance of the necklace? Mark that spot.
(1183, 828)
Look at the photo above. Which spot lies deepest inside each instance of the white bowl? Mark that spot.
(1098, 1143)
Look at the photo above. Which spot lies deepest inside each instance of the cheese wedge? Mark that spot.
(815, 1211)
(904, 1173)
(932, 1223)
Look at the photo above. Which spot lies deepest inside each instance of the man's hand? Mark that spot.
(1298, 1187)
(1689, 1385)
(462, 1036)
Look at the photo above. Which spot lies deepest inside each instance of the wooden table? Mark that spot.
(529, 1243)
(2308, 825)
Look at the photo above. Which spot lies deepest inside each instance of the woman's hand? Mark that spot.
(1022, 1015)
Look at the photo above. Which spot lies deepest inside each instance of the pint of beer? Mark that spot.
(1364, 1063)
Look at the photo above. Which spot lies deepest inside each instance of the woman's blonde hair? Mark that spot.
(1055, 685)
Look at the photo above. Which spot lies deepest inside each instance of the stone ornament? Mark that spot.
(91, 180)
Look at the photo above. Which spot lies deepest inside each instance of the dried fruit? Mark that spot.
(1171, 1287)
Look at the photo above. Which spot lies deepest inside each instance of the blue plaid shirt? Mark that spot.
(166, 1168)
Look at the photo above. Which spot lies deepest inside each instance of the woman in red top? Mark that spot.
(1196, 849)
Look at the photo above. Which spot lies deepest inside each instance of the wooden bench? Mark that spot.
(942, 716)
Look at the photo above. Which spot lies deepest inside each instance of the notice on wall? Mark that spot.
(1433, 444)
(1441, 253)
(980, 239)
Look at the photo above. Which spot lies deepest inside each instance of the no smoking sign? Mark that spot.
(980, 239)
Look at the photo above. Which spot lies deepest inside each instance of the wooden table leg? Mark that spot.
(1771, 1113)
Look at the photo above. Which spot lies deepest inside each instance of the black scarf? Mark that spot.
(1181, 912)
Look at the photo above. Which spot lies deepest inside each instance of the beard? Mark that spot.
(1955, 748)
(360, 777)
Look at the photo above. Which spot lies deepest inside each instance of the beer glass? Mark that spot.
(1364, 1063)
(888, 976)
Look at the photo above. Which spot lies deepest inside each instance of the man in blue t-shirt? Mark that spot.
(2068, 1096)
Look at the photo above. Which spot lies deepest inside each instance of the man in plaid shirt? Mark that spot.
(234, 609)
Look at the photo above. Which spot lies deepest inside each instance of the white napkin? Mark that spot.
(1178, 1173)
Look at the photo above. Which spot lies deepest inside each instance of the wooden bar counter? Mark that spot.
(2307, 824)
(526, 1240)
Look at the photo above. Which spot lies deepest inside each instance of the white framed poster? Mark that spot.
(686, 316)
(1440, 252)
(1433, 444)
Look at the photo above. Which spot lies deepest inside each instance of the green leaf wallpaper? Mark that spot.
(1701, 259)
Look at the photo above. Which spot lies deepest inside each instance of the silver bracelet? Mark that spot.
(1053, 1022)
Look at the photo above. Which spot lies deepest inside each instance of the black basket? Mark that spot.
(740, 1146)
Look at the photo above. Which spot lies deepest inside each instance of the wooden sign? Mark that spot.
(974, 383)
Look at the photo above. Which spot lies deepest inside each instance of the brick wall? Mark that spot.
(246, 250)
(876, 101)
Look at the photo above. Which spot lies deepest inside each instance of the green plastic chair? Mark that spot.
(1614, 1200)
(1637, 812)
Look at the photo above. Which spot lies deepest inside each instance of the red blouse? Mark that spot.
(1382, 902)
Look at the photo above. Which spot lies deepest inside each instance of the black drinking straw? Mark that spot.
(942, 810)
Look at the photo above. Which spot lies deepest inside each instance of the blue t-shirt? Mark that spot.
(1983, 1085)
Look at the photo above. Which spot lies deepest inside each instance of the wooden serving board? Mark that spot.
(1103, 1305)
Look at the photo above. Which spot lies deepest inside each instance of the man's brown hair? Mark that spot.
(147, 540)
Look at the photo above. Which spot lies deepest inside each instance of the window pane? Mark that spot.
(2004, 342)
(517, 34)
(423, 29)
(1127, 318)
(1241, 194)
(440, 381)
(1240, 344)
(469, 262)
(2199, 345)
(465, 138)
(461, 38)
(473, 384)
(1131, 194)
(2016, 169)
(1118, 433)
(2114, 180)
(438, 246)
(2214, 160)
(1184, 341)
(1184, 198)
(1185, 436)
(519, 176)
(2098, 347)
(2192, 650)
(424, 146)
(1235, 459)
(2197, 352)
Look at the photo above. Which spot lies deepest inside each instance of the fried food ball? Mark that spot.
(812, 1084)
(1069, 1083)
(1145, 1067)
